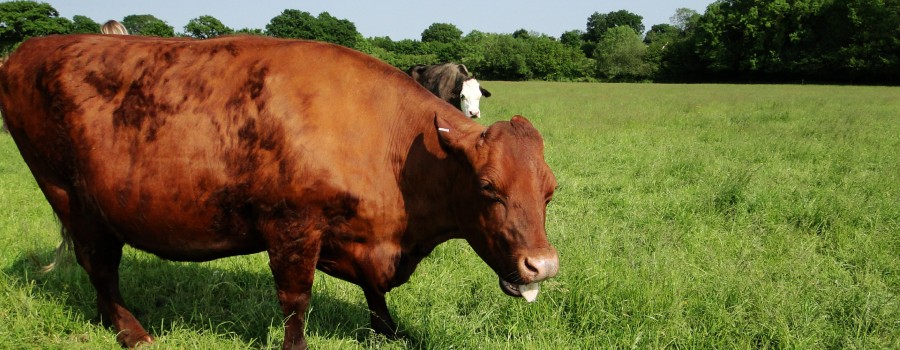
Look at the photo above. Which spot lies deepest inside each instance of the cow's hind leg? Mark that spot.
(99, 252)
(99, 255)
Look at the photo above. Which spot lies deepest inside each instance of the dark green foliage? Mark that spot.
(442, 33)
(683, 18)
(20, 20)
(598, 24)
(404, 53)
(621, 56)
(795, 41)
(250, 31)
(205, 27)
(658, 39)
(837, 40)
(532, 56)
(572, 38)
(85, 25)
(521, 34)
(294, 24)
(338, 31)
(297, 24)
(148, 25)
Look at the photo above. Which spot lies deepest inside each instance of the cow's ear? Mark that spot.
(463, 70)
(485, 93)
(459, 135)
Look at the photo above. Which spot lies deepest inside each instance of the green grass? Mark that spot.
(688, 216)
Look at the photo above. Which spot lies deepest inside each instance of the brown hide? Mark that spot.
(319, 155)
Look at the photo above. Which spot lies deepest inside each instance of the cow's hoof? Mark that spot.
(129, 340)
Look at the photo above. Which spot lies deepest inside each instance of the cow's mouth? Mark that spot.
(527, 291)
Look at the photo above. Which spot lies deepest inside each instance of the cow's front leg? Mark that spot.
(292, 257)
(381, 320)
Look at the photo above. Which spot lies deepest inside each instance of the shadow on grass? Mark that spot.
(201, 298)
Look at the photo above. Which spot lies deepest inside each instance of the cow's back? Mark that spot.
(187, 134)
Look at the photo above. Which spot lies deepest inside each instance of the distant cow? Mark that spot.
(452, 83)
(197, 150)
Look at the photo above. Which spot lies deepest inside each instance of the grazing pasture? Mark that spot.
(687, 216)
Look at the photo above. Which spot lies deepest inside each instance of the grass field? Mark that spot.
(688, 216)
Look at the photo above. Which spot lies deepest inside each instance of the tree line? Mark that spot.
(745, 41)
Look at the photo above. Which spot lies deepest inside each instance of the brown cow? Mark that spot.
(196, 150)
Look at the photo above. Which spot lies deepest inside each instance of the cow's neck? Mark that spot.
(429, 180)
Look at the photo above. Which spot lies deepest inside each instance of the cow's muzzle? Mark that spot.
(532, 270)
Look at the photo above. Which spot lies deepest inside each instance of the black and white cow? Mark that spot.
(452, 83)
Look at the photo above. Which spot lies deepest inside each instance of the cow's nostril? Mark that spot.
(531, 267)
(538, 268)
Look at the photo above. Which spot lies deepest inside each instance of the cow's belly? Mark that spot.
(179, 228)
(179, 210)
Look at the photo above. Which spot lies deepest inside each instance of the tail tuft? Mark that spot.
(61, 251)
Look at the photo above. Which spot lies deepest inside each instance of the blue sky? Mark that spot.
(399, 19)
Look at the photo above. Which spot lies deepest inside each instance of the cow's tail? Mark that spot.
(61, 251)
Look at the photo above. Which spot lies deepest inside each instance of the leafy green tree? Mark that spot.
(250, 31)
(869, 44)
(441, 32)
(670, 48)
(383, 42)
(403, 54)
(683, 18)
(407, 52)
(500, 57)
(402, 61)
(521, 34)
(410, 47)
(537, 56)
(338, 31)
(572, 38)
(302, 25)
(147, 25)
(660, 38)
(84, 25)
(834, 40)
(445, 52)
(621, 56)
(20, 20)
(205, 27)
(662, 34)
(293, 24)
(598, 24)
(549, 59)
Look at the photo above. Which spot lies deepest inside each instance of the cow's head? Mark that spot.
(470, 97)
(501, 200)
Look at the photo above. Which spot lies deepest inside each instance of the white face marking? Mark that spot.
(469, 98)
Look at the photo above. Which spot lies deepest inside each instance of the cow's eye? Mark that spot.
(488, 190)
(487, 187)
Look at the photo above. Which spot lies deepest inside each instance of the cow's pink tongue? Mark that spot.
(530, 291)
